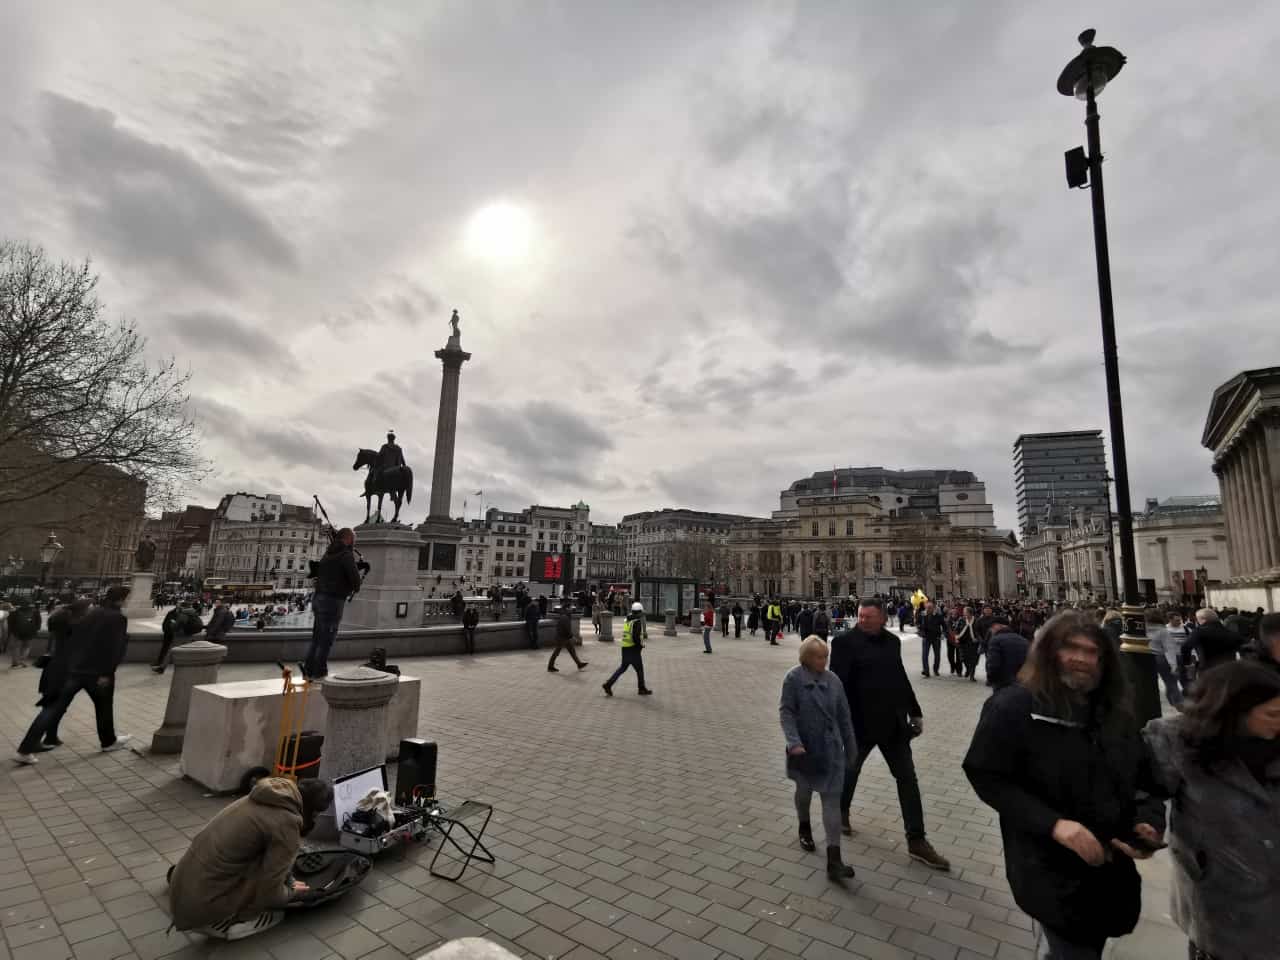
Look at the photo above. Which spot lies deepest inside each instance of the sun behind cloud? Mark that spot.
(500, 232)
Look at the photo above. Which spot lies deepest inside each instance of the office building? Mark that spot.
(1062, 471)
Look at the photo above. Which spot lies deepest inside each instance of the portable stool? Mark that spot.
(463, 817)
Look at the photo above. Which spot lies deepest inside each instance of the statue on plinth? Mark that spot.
(455, 338)
(388, 475)
(145, 555)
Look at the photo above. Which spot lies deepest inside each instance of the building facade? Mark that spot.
(1062, 470)
(262, 541)
(1243, 432)
(678, 543)
(957, 495)
(1087, 559)
(510, 547)
(174, 533)
(607, 555)
(1180, 547)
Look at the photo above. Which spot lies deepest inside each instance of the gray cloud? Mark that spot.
(154, 206)
(211, 334)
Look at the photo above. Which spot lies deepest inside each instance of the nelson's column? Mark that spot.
(440, 531)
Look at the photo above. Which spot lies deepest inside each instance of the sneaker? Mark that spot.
(925, 674)
(155, 669)
(52, 742)
(706, 651)
(121, 743)
(582, 664)
(25, 759)
(608, 690)
(646, 692)
(923, 851)
(553, 669)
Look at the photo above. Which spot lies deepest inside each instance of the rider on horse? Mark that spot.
(389, 455)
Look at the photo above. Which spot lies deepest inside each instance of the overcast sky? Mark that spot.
(700, 250)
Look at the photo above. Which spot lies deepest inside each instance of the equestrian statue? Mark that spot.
(388, 475)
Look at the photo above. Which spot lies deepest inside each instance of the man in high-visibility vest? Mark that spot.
(773, 620)
(634, 633)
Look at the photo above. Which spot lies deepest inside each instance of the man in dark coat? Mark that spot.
(470, 620)
(95, 649)
(886, 715)
(1006, 653)
(532, 614)
(24, 624)
(564, 639)
(1266, 649)
(1211, 642)
(179, 624)
(821, 622)
(1059, 758)
(57, 660)
(337, 578)
(931, 625)
(220, 623)
(804, 621)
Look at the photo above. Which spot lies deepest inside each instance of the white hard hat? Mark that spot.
(638, 607)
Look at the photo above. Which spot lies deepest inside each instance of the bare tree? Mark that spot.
(83, 417)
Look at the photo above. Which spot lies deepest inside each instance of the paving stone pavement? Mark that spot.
(628, 828)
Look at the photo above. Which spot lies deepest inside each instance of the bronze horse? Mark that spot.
(396, 482)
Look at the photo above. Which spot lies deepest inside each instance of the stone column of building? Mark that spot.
(193, 663)
(1271, 532)
(1228, 517)
(1250, 481)
(1232, 471)
(452, 357)
(355, 731)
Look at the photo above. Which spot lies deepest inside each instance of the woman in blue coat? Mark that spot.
(820, 746)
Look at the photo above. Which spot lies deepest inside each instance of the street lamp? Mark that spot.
(49, 551)
(1084, 78)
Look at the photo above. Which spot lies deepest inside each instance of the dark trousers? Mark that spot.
(969, 654)
(724, 628)
(531, 634)
(897, 754)
(737, 627)
(567, 647)
(630, 658)
(955, 658)
(469, 639)
(166, 642)
(47, 719)
(925, 646)
(326, 612)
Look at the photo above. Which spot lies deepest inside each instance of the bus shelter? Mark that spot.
(660, 594)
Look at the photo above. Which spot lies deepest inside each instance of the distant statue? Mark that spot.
(454, 322)
(388, 475)
(145, 555)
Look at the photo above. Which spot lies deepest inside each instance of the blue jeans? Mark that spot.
(326, 612)
(1172, 683)
(706, 638)
(925, 646)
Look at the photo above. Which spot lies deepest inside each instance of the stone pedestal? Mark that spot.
(392, 552)
(606, 626)
(138, 606)
(355, 734)
(438, 556)
(193, 663)
(670, 629)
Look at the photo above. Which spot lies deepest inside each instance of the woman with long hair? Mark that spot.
(1220, 763)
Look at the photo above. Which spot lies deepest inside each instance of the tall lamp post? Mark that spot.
(49, 551)
(1084, 78)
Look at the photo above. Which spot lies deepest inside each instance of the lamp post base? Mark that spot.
(1139, 664)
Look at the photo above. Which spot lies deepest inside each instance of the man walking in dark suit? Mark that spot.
(886, 715)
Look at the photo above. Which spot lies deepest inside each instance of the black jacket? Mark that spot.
(220, 623)
(1006, 653)
(931, 626)
(337, 574)
(804, 621)
(876, 685)
(24, 622)
(532, 614)
(564, 628)
(181, 622)
(821, 623)
(97, 643)
(1034, 769)
(1213, 644)
(470, 617)
(54, 675)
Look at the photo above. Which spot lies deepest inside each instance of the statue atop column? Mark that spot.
(145, 555)
(455, 338)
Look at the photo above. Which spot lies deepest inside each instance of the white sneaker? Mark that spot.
(238, 930)
(25, 758)
(122, 741)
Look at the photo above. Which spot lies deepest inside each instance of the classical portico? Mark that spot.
(1243, 431)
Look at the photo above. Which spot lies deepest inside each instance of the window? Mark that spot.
(877, 563)
(813, 530)
(555, 524)
(519, 571)
(468, 565)
(848, 527)
(1097, 555)
(937, 563)
(291, 548)
(960, 565)
(522, 543)
(831, 528)
(539, 534)
(509, 573)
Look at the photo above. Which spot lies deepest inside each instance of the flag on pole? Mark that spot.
(833, 478)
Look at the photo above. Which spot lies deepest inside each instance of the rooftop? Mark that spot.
(880, 477)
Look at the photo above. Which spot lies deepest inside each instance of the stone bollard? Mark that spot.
(670, 629)
(606, 626)
(355, 730)
(193, 664)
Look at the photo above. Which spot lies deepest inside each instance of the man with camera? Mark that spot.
(337, 578)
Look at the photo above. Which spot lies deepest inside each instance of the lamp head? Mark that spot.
(1092, 68)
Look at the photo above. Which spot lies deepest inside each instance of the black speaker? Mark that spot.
(417, 767)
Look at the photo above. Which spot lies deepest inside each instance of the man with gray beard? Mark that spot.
(1058, 756)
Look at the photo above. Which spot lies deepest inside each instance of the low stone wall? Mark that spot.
(290, 646)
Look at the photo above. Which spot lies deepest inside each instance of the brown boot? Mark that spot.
(923, 851)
